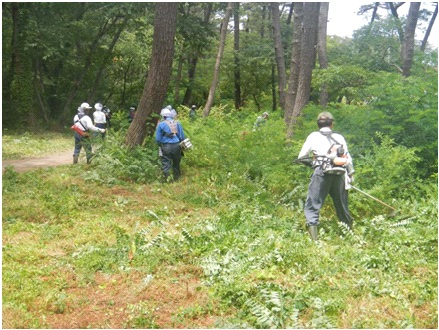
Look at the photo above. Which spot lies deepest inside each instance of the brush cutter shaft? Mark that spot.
(374, 198)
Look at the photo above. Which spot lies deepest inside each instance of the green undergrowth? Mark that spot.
(234, 224)
(30, 144)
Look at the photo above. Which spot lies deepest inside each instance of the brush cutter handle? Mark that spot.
(307, 161)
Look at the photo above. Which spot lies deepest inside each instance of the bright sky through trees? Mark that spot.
(343, 19)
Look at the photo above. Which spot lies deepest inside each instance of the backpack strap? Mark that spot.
(173, 127)
(331, 139)
(329, 136)
(79, 121)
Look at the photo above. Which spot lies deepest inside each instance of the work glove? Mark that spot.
(102, 130)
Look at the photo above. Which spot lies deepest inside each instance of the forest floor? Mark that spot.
(113, 300)
(29, 163)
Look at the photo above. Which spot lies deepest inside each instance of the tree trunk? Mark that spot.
(307, 60)
(108, 55)
(216, 71)
(321, 49)
(430, 26)
(178, 81)
(237, 72)
(66, 110)
(279, 53)
(8, 110)
(192, 65)
(193, 60)
(39, 90)
(293, 79)
(290, 13)
(154, 93)
(394, 11)
(408, 46)
(273, 87)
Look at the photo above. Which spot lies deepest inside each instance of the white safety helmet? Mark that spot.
(98, 106)
(85, 105)
(166, 113)
(169, 107)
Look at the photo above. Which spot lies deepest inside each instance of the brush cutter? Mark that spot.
(394, 211)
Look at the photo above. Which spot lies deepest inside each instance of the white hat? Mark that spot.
(85, 105)
(166, 113)
(98, 106)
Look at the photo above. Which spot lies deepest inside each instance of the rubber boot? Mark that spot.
(89, 158)
(75, 159)
(313, 232)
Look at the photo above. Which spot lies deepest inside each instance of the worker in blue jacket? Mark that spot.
(169, 133)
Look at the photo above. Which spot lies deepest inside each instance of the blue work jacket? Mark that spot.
(163, 133)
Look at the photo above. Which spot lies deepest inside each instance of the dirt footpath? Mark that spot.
(26, 164)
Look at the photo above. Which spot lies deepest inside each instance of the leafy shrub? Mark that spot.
(237, 218)
(115, 162)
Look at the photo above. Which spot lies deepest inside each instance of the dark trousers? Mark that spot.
(82, 142)
(171, 157)
(100, 125)
(320, 186)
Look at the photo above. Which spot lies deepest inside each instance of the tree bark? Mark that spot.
(279, 53)
(321, 49)
(293, 79)
(154, 93)
(307, 61)
(216, 71)
(408, 46)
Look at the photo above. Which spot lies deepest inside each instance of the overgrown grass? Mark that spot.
(26, 144)
(225, 247)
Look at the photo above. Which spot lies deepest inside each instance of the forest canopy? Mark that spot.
(58, 55)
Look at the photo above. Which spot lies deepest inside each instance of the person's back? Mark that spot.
(169, 133)
(329, 177)
(99, 117)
